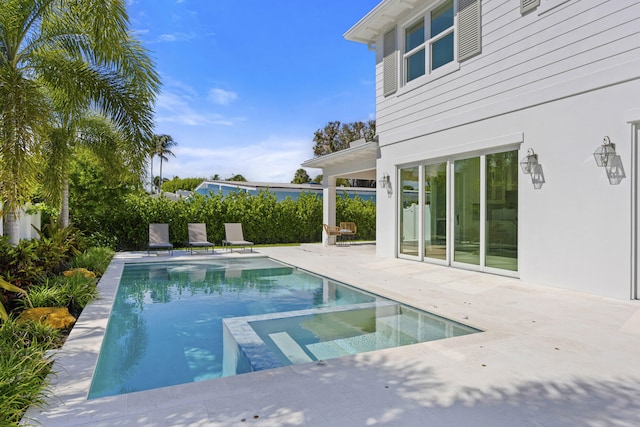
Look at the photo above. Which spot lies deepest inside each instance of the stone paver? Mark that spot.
(547, 357)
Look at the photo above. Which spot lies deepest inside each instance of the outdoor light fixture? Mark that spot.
(537, 177)
(530, 166)
(606, 157)
(385, 182)
(529, 162)
(605, 154)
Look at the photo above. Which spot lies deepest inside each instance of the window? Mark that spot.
(429, 42)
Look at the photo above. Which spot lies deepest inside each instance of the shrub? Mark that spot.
(94, 259)
(73, 292)
(263, 218)
(23, 367)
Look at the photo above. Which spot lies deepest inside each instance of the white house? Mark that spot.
(466, 90)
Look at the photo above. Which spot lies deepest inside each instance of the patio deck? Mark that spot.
(548, 357)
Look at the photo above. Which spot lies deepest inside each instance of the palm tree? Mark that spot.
(59, 60)
(163, 144)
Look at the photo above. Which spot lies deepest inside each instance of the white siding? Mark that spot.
(574, 233)
(525, 61)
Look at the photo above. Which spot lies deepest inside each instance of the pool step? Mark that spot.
(290, 348)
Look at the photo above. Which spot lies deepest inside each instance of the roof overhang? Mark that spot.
(350, 162)
(382, 18)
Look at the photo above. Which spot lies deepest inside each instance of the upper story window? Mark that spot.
(433, 45)
(429, 42)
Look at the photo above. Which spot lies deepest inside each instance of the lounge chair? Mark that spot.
(331, 230)
(234, 236)
(198, 237)
(348, 230)
(159, 238)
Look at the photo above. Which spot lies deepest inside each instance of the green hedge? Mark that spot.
(264, 219)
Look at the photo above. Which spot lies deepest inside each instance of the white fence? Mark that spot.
(27, 222)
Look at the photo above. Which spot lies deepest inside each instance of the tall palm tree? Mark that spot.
(164, 144)
(59, 60)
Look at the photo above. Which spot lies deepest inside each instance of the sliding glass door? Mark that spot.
(466, 202)
(462, 212)
(409, 211)
(435, 211)
(502, 211)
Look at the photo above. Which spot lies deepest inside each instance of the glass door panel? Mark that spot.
(435, 211)
(466, 202)
(409, 211)
(502, 211)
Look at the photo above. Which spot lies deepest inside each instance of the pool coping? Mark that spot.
(547, 364)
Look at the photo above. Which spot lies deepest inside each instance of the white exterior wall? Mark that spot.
(556, 80)
(574, 232)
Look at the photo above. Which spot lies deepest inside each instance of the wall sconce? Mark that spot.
(385, 182)
(530, 166)
(607, 158)
(605, 154)
(529, 162)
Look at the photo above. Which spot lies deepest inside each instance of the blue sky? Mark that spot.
(247, 82)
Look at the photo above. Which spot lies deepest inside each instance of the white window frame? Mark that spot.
(427, 45)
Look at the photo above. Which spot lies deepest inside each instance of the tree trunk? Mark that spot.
(160, 180)
(64, 205)
(152, 183)
(11, 226)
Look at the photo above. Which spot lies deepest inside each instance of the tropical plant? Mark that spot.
(163, 146)
(24, 366)
(95, 259)
(336, 136)
(73, 292)
(301, 177)
(9, 288)
(57, 61)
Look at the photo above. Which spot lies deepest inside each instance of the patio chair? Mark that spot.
(198, 237)
(159, 238)
(332, 230)
(348, 230)
(234, 236)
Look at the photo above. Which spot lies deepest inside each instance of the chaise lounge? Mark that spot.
(159, 238)
(198, 237)
(234, 236)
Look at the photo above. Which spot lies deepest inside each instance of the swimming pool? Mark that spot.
(174, 323)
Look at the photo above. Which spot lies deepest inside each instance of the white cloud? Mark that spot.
(272, 160)
(179, 104)
(221, 96)
(173, 37)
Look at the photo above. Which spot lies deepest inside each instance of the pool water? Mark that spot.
(174, 323)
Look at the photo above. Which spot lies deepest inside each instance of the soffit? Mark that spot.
(354, 155)
(382, 18)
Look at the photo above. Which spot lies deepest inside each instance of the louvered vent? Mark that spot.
(390, 63)
(528, 5)
(469, 29)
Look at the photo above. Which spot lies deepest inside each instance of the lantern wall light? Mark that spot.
(606, 157)
(385, 182)
(530, 166)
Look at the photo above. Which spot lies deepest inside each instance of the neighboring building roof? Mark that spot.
(382, 18)
(270, 185)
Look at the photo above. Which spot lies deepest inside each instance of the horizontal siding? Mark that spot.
(521, 55)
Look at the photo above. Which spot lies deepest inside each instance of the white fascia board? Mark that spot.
(369, 150)
(378, 20)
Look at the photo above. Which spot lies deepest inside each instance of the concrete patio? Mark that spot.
(547, 357)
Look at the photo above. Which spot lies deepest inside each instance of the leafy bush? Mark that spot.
(94, 259)
(176, 184)
(73, 292)
(264, 219)
(23, 367)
